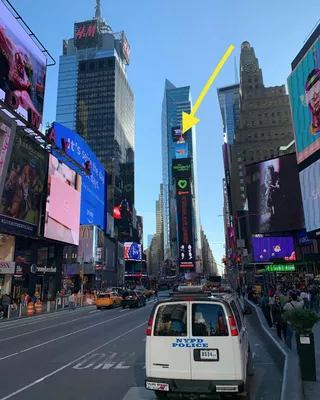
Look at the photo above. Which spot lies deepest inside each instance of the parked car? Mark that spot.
(133, 298)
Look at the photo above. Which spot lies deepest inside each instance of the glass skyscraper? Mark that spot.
(229, 100)
(175, 101)
(95, 100)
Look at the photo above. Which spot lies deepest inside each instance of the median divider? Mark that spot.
(286, 359)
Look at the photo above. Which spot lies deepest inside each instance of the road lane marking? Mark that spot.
(24, 388)
(125, 309)
(67, 335)
(122, 366)
(90, 312)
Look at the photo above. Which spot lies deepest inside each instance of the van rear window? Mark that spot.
(171, 320)
(209, 320)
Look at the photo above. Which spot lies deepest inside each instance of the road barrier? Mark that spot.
(286, 359)
(30, 308)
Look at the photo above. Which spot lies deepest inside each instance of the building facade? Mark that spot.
(209, 263)
(176, 100)
(229, 101)
(95, 100)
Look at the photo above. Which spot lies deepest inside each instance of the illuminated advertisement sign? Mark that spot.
(23, 69)
(62, 218)
(93, 189)
(181, 150)
(125, 49)
(310, 189)
(86, 34)
(272, 248)
(274, 195)
(302, 238)
(140, 228)
(24, 186)
(7, 135)
(304, 92)
(132, 251)
(181, 168)
(177, 135)
(185, 230)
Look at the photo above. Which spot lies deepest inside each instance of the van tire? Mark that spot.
(160, 395)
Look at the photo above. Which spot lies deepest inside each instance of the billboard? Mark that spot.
(139, 224)
(22, 69)
(310, 189)
(181, 150)
(125, 49)
(93, 189)
(7, 134)
(24, 186)
(177, 135)
(185, 224)
(274, 196)
(304, 92)
(91, 243)
(62, 217)
(132, 251)
(266, 249)
(181, 168)
(86, 34)
(302, 238)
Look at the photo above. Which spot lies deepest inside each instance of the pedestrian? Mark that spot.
(305, 297)
(294, 303)
(156, 294)
(72, 302)
(6, 303)
(265, 307)
(280, 324)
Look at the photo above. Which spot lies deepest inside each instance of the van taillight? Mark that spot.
(233, 327)
(149, 328)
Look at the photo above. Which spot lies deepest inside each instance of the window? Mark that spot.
(242, 189)
(241, 181)
(171, 320)
(209, 320)
(236, 314)
(91, 65)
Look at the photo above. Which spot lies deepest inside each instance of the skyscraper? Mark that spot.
(95, 100)
(175, 101)
(229, 101)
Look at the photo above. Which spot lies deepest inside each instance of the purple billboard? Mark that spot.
(266, 249)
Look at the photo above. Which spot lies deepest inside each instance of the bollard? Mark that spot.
(20, 310)
(9, 312)
(48, 306)
(63, 302)
(56, 304)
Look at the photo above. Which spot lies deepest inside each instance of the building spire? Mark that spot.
(98, 9)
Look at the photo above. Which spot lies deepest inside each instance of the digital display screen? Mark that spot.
(181, 150)
(274, 195)
(132, 251)
(22, 70)
(304, 92)
(266, 249)
(181, 168)
(86, 34)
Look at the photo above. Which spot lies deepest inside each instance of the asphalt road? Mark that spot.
(90, 354)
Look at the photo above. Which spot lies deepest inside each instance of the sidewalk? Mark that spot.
(312, 389)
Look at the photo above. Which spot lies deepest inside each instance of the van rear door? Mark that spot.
(212, 352)
(167, 353)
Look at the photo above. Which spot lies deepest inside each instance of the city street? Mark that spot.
(94, 354)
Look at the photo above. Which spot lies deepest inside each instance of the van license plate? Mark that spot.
(208, 354)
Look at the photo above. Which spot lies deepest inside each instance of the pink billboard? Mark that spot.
(63, 203)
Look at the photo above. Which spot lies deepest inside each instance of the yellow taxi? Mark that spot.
(108, 300)
(147, 292)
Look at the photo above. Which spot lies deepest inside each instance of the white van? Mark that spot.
(197, 345)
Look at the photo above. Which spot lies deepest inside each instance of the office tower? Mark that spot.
(95, 100)
(229, 101)
(209, 262)
(177, 148)
(265, 123)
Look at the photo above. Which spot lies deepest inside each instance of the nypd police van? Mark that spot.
(197, 346)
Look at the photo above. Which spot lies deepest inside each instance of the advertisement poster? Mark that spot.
(310, 189)
(5, 136)
(62, 221)
(185, 224)
(132, 251)
(93, 190)
(24, 186)
(274, 195)
(302, 238)
(181, 150)
(267, 249)
(304, 91)
(23, 69)
(181, 168)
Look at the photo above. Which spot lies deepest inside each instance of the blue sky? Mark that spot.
(182, 41)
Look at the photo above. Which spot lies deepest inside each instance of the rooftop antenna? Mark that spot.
(235, 70)
(98, 9)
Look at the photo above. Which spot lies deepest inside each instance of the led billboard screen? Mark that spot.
(93, 189)
(185, 223)
(274, 196)
(22, 69)
(266, 249)
(62, 219)
(304, 91)
(176, 134)
(310, 189)
(181, 150)
(86, 34)
(181, 168)
(132, 251)
(24, 186)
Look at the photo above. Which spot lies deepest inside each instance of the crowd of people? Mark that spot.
(275, 300)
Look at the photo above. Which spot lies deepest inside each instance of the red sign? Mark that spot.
(85, 31)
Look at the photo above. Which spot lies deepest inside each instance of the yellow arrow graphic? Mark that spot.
(189, 120)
